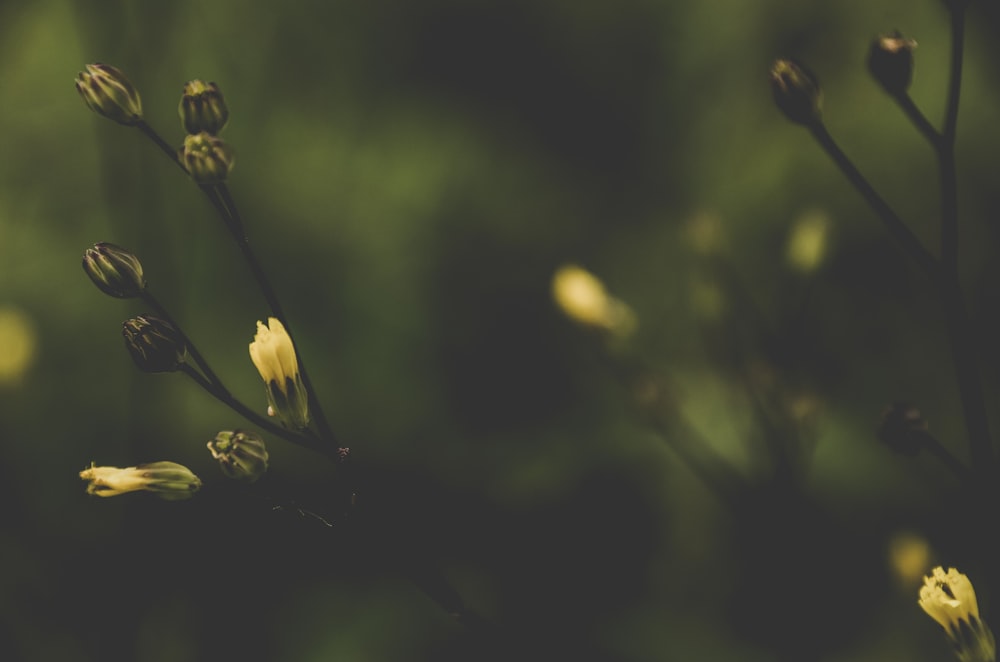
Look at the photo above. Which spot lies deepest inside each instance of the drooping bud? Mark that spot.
(890, 62)
(167, 480)
(241, 455)
(155, 344)
(202, 108)
(796, 92)
(274, 356)
(207, 158)
(903, 429)
(109, 92)
(114, 270)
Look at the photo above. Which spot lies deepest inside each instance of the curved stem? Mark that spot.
(164, 146)
(893, 223)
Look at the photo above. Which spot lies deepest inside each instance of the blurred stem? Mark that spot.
(893, 223)
(960, 333)
(919, 120)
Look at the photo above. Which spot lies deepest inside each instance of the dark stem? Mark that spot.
(275, 305)
(895, 225)
(225, 397)
(157, 307)
(919, 120)
(167, 149)
(960, 333)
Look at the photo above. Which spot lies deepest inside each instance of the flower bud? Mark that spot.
(114, 270)
(890, 62)
(241, 455)
(948, 598)
(796, 92)
(167, 480)
(208, 159)
(155, 344)
(903, 429)
(109, 93)
(274, 356)
(203, 108)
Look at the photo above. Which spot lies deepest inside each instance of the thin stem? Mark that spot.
(227, 398)
(893, 223)
(935, 448)
(171, 152)
(276, 309)
(154, 303)
(960, 334)
(919, 120)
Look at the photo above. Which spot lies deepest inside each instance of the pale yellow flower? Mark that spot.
(167, 480)
(585, 300)
(948, 598)
(274, 356)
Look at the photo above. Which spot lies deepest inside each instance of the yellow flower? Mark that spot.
(273, 354)
(948, 598)
(584, 299)
(167, 480)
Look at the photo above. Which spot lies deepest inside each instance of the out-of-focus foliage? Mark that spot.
(412, 173)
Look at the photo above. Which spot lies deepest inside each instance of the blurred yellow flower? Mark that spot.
(808, 242)
(584, 299)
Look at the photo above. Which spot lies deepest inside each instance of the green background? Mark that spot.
(411, 174)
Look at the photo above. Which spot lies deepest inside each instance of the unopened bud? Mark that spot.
(903, 429)
(241, 455)
(890, 62)
(796, 92)
(114, 270)
(155, 344)
(208, 159)
(109, 92)
(167, 480)
(203, 108)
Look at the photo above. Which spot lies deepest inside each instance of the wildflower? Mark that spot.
(167, 480)
(796, 92)
(108, 92)
(890, 62)
(155, 344)
(948, 598)
(114, 270)
(273, 354)
(584, 299)
(202, 108)
(207, 159)
(241, 455)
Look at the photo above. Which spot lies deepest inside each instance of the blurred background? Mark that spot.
(412, 173)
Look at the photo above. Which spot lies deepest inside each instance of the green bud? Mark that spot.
(114, 270)
(208, 159)
(108, 92)
(241, 455)
(167, 480)
(155, 344)
(203, 108)
(796, 92)
(890, 62)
